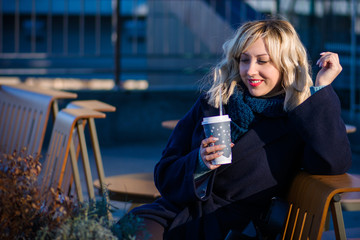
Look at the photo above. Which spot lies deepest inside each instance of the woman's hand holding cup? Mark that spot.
(209, 151)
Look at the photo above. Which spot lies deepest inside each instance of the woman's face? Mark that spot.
(258, 72)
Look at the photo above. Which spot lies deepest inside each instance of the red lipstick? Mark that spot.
(254, 82)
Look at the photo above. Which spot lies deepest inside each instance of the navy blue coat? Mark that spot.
(265, 159)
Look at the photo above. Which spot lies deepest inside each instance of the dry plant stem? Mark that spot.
(22, 209)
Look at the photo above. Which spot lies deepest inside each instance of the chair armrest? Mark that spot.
(92, 104)
(83, 113)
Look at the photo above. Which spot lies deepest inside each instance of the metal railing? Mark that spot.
(35, 25)
(167, 42)
(65, 33)
(47, 37)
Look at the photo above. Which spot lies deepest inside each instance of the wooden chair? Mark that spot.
(310, 198)
(24, 114)
(55, 173)
(96, 106)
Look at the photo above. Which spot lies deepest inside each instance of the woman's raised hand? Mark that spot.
(330, 68)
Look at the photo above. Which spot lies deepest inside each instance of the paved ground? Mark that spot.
(142, 157)
(125, 159)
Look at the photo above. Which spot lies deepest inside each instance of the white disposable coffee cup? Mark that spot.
(219, 127)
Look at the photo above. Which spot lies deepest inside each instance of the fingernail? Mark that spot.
(216, 139)
(220, 153)
(223, 146)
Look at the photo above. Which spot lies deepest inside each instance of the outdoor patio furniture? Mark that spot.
(350, 128)
(310, 198)
(136, 188)
(24, 114)
(55, 173)
(96, 106)
(169, 124)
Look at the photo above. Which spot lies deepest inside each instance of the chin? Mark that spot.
(257, 93)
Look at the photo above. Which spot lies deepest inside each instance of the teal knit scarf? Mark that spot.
(244, 110)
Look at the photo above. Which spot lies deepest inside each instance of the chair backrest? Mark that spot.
(310, 197)
(24, 114)
(55, 173)
(23, 120)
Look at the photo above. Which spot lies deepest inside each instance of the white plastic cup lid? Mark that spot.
(216, 119)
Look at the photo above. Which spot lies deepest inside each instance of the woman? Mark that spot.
(280, 124)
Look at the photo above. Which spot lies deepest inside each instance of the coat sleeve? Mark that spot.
(174, 173)
(318, 122)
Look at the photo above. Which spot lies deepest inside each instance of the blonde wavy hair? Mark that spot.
(286, 52)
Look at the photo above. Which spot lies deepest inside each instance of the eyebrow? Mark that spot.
(260, 55)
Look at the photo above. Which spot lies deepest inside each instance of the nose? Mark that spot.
(251, 68)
